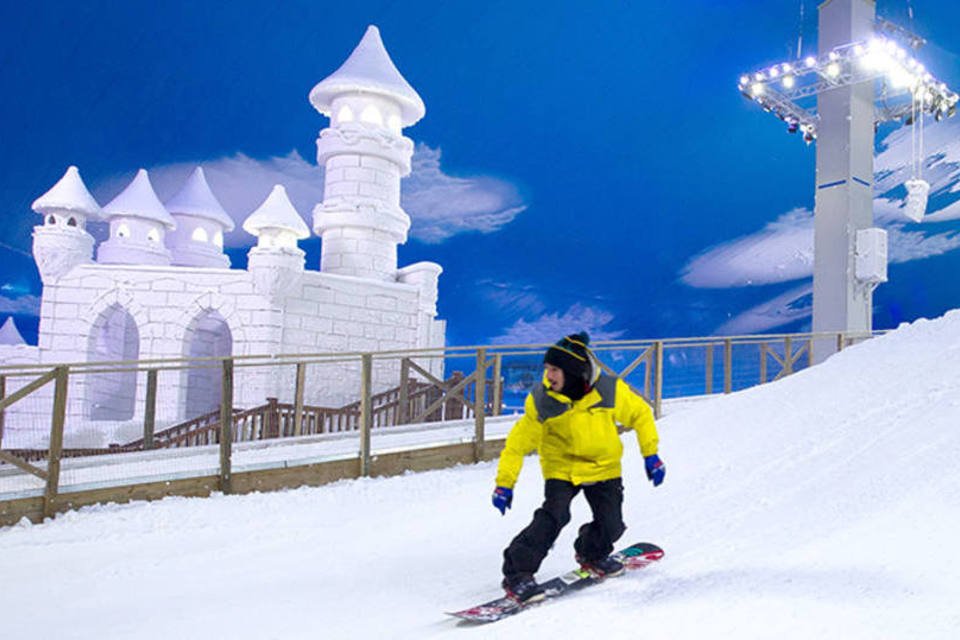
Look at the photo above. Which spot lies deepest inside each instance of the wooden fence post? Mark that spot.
(479, 402)
(727, 365)
(497, 400)
(366, 411)
(226, 425)
(150, 410)
(57, 422)
(787, 355)
(709, 381)
(3, 394)
(298, 398)
(272, 428)
(763, 362)
(658, 379)
(403, 403)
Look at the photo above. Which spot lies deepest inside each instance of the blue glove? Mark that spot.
(655, 469)
(502, 499)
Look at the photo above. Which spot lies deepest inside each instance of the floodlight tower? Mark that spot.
(843, 203)
(860, 61)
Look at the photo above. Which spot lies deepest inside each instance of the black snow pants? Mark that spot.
(595, 539)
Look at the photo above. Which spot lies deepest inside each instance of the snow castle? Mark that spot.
(160, 286)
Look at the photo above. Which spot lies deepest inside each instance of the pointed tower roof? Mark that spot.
(369, 68)
(139, 200)
(71, 194)
(196, 199)
(9, 333)
(276, 212)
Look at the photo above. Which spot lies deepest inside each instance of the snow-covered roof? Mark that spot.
(369, 69)
(70, 194)
(276, 212)
(9, 333)
(139, 200)
(196, 199)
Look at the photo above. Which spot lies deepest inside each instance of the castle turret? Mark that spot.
(276, 263)
(62, 241)
(365, 155)
(138, 225)
(201, 221)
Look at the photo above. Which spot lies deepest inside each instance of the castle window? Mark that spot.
(345, 114)
(372, 115)
(72, 222)
(123, 231)
(51, 219)
(394, 123)
(200, 235)
(218, 239)
(153, 236)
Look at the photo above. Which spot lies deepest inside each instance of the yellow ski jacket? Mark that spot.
(578, 440)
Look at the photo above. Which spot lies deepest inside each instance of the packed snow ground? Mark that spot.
(825, 505)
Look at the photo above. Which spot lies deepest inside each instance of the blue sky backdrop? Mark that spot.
(581, 164)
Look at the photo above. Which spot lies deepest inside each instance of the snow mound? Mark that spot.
(824, 505)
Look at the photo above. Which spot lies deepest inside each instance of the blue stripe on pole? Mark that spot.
(863, 182)
(832, 184)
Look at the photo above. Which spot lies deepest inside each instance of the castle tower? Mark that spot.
(201, 221)
(276, 263)
(62, 241)
(138, 224)
(365, 154)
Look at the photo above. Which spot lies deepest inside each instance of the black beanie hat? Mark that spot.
(571, 355)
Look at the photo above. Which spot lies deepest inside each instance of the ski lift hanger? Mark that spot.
(788, 90)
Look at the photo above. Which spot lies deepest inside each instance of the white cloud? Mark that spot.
(439, 205)
(442, 206)
(26, 305)
(788, 307)
(783, 250)
(550, 327)
(521, 299)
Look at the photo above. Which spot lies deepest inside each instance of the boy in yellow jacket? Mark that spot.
(571, 420)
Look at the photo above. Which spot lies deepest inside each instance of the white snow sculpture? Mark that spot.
(276, 262)
(138, 224)
(201, 220)
(62, 241)
(365, 155)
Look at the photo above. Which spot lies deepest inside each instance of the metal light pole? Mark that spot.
(844, 179)
(862, 76)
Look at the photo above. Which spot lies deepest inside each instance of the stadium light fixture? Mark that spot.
(789, 89)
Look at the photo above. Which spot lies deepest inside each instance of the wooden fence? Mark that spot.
(420, 397)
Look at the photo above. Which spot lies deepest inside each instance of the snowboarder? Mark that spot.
(571, 420)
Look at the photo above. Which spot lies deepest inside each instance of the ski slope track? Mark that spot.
(824, 505)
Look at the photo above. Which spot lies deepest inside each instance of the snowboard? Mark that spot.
(636, 556)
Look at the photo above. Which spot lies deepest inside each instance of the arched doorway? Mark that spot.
(208, 336)
(113, 395)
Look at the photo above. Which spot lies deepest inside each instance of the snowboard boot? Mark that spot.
(607, 567)
(523, 588)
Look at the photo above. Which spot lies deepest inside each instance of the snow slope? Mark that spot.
(825, 505)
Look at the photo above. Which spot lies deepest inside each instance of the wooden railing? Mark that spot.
(278, 420)
(420, 397)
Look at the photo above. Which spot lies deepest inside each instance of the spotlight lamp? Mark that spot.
(903, 84)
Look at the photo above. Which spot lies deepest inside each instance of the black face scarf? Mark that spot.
(574, 388)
